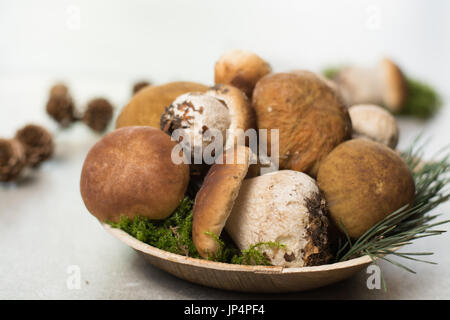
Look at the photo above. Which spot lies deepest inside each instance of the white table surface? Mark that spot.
(44, 226)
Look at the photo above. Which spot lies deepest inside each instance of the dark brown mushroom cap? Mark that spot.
(363, 182)
(140, 85)
(37, 142)
(130, 172)
(12, 159)
(310, 117)
(60, 105)
(98, 114)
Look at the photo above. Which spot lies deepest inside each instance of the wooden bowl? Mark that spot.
(243, 278)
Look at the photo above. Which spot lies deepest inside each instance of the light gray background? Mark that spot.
(44, 227)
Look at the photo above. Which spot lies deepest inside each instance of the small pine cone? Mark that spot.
(37, 142)
(98, 114)
(12, 159)
(139, 85)
(60, 105)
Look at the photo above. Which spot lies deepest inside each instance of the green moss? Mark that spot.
(331, 72)
(422, 100)
(227, 249)
(254, 256)
(229, 253)
(174, 234)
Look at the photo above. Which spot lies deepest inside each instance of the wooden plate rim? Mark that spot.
(165, 255)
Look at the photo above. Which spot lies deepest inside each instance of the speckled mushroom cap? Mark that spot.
(242, 115)
(148, 104)
(241, 69)
(215, 199)
(310, 117)
(130, 171)
(394, 89)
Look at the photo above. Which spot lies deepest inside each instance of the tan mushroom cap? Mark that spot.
(241, 69)
(215, 199)
(363, 182)
(374, 123)
(241, 113)
(148, 104)
(310, 116)
(130, 171)
(394, 90)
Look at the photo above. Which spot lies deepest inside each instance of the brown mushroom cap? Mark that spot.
(310, 116)
(12, 159)
(215, 200)
(37, 142)
(138, 86)
(374, 123)
(241, 69)
(363, 182)
(130, 171)
(394, 85)
(242, 115)
(60, 105)
(147, 105)
(98, 114)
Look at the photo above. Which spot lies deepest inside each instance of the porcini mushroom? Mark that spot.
(215, 199)
(383, 84)
(223, 108)
(242, 115)
(241, 69)
(130, 172)
(374, 123)
(147, 105)
(309, 115)
(286, 207)
(363, 182)
(196, 113)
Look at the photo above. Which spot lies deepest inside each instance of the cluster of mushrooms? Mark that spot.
(338, 168)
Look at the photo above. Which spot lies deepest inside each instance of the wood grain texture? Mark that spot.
(258, 279)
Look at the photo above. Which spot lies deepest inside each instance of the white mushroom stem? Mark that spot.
(360, 85)
(383, 84)
(284, 207)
